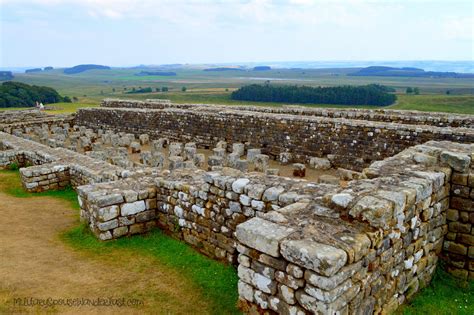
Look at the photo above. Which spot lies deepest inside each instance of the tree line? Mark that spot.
(16, 94)
(372, 94)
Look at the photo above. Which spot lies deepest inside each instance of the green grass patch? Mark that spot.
(217, 282)
(461, 104)
(10, 183)
(444, 295)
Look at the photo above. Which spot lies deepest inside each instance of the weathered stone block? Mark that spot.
(319, 163)
(132, 208)
(322, 258)
(262, 235)
(378, 212)
(459, 162)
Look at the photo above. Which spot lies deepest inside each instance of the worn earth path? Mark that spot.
(35, 262)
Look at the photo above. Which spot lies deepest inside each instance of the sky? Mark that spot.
(131, 32)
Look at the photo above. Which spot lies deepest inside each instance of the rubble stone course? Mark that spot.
(362, 246)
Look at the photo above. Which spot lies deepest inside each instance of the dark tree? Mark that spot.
(372, 94)
(16, 94)
(141, 90)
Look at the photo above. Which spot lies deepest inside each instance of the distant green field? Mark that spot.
(462, 104)
(91, 87)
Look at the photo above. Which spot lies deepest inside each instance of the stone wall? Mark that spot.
(459, 242)
(351, 144)
(45, 177)
(362, 247)
(382, 115)
(10, 120)
(301, 246)
(326, 268)
(201, 208)
(43, 166)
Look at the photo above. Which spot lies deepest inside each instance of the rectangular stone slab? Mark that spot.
(262, 235)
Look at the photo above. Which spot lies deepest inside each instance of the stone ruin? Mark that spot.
(370, 200)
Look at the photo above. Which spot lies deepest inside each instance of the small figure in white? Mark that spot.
(41, 106)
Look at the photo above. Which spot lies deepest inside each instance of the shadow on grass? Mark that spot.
(218, 282)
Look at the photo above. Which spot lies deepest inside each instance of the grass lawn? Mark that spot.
(69, 108)
(59, 108)
(461, 104)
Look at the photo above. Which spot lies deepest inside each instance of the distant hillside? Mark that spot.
(262, 68)
(33, 70)
(379, 71)
(162, 73)
(16, 94)
(6, 75)
(82, 68)
(223, 69)
(48, 68)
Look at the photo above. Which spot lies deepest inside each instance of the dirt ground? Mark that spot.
(35, 263)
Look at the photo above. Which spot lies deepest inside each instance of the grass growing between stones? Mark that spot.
(444, 295)
(217, 282)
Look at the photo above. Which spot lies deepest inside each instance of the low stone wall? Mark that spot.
(301, 246)
(7, 157)
(20, 119)
(324, 268)
(352, 144)
(381, 115)
(201, 208)
(43, 166)
(45, 177)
